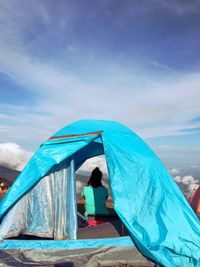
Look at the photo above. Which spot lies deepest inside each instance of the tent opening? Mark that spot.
(111, 225)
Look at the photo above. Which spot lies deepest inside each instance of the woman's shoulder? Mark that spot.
(103, 188)
(87, 187)
(85, 190)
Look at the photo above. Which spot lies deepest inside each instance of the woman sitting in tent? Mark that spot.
(95, 195)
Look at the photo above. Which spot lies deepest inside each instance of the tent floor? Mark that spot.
(106, 230)
(90, 257)
(97, 257)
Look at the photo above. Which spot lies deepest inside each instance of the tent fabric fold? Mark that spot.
(159, 219)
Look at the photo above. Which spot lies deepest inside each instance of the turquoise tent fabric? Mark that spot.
(67, 244)
(159, 219)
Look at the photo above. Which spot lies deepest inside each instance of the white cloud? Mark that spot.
(188, 180)
(92, 163)
(13, 156)
(177, 179)
(174, 171)
(66, 98)
(5, 129)
(73, 98)
(187, 184)
(195, 166)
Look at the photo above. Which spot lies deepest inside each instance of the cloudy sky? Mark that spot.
(133, 61)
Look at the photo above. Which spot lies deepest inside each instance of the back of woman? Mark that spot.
(95, 200)
(95, 194)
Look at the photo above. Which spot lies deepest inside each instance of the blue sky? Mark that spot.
(135, 61)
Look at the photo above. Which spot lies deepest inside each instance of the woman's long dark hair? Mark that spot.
(95, 178)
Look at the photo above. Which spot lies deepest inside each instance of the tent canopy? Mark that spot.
(158, 217)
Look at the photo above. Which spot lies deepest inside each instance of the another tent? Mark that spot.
(42, 200)
(195, 200)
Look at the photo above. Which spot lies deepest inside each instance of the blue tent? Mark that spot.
(160, 221)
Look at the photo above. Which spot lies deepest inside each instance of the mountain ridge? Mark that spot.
(8, 174)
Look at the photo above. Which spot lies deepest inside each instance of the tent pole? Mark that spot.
(73, 202)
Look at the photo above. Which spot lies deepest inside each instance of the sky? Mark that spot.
(133, 61)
